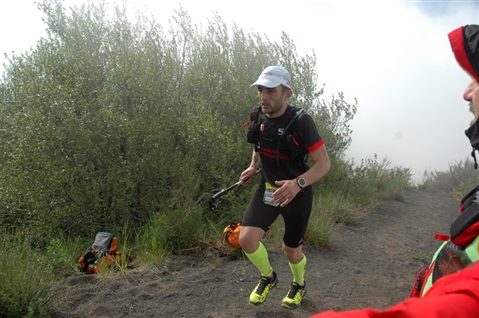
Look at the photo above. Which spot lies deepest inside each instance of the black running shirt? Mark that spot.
(271, 130)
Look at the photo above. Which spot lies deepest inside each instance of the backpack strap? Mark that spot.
(255, 124)
(466, 227)
(253, 117)
(297, 112)
(254, 127)
(468, 199)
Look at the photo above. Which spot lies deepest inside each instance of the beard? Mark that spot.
(272, 108)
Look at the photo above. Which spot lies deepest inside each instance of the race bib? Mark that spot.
(268, 193)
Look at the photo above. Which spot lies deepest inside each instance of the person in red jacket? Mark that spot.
(453, 295)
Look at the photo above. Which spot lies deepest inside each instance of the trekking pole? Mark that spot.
(212, 200)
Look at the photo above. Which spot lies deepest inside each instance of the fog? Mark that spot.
(392, 56)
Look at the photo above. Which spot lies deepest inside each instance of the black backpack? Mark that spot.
(294, 140)
(457, 251)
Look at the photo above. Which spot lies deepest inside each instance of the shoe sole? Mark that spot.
(292, 305)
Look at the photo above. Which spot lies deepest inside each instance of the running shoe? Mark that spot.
(258, 295)
(295, 296)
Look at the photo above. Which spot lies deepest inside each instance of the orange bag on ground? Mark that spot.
(103, 253)
(231, 235)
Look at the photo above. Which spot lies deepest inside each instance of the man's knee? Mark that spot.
(245, 242)
(249, 238)
(293, 254)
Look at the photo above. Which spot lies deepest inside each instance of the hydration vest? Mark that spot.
(460, 249)
(294, 141)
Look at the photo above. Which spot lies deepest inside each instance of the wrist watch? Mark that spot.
(301, 182)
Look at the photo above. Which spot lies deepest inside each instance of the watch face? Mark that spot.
(301, 182)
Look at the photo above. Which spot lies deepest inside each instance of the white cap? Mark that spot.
(273, 76)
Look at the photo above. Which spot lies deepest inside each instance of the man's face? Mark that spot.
(471, 94)
(273, 99)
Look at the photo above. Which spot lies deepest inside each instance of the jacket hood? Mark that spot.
(465, 45)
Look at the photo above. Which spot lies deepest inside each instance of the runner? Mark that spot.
(285, 188)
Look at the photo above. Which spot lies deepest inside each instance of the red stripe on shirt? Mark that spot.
(316, 146)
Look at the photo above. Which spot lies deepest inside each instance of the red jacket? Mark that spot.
(455, 295)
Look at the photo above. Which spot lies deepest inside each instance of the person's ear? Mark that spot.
(288, 94)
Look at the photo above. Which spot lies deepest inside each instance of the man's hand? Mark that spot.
(248, 175)
(286, 193)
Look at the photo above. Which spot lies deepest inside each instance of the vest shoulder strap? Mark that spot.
(293, 112)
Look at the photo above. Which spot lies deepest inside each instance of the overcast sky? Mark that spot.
(393, 56)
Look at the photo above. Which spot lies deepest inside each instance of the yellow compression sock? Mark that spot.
(299, 270)
(260, 259)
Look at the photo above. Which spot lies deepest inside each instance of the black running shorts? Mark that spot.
(295, 215)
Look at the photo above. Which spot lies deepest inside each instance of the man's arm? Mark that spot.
(463, 305)
(250, 172)
(290, 188)
(321, 165)
(454, 295)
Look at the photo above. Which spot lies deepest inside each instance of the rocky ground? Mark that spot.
(371, 263)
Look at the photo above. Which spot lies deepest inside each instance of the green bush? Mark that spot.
(330, 209)
(460, 178)
(112, 117)
(28, 278)
(112, 125)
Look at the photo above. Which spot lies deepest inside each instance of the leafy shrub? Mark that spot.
(460, 178)
(114, 118)
(27, 277)
(330, 209)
